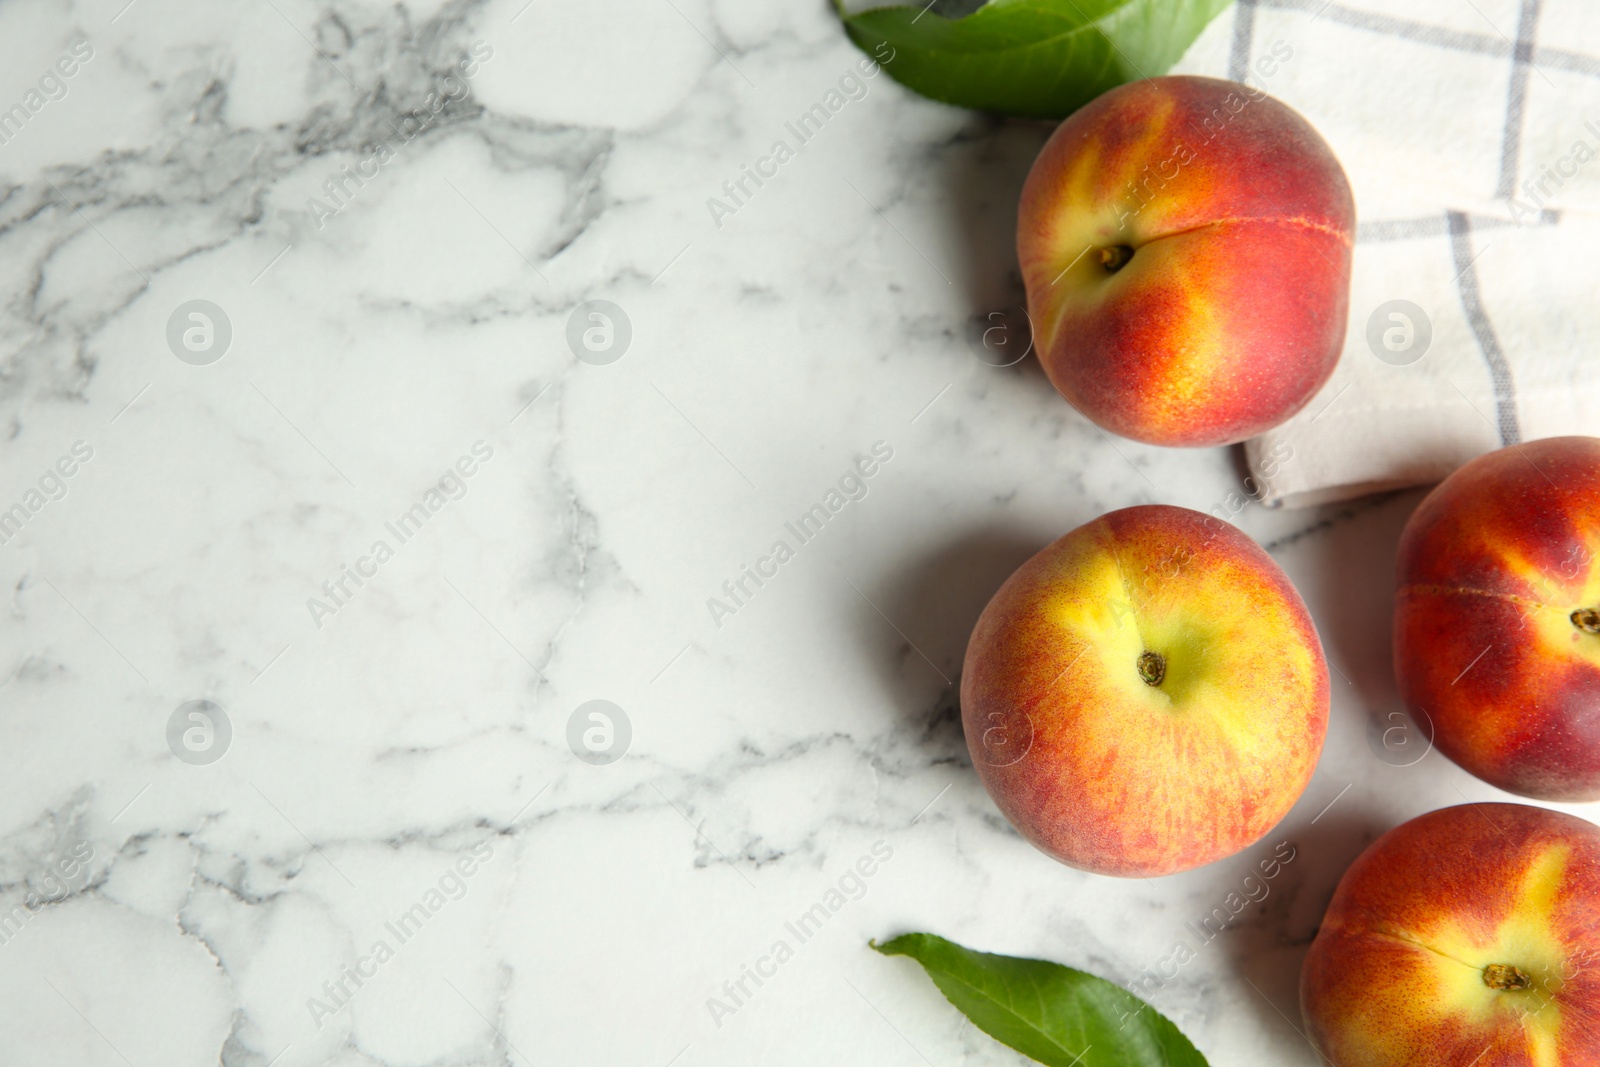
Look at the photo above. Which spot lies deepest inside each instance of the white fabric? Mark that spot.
(1446, 115)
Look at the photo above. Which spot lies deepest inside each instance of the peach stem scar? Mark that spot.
(1152, 667)
(1506, 977)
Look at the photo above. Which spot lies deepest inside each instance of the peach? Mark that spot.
(1185, 243)
(1497, 617)
(1467, 936)
(1146, 694)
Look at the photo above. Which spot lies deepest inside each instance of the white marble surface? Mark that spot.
(189, 914)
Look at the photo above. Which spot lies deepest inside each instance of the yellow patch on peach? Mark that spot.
(1460, 953)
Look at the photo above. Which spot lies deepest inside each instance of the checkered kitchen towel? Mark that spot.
(1470, 130)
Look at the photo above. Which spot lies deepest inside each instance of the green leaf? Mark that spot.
(1039, 59)
(1050, 1013)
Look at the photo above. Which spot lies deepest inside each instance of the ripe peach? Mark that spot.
(1497, 617)
(1145, 695)
(1185, 243)
(1467, 936)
